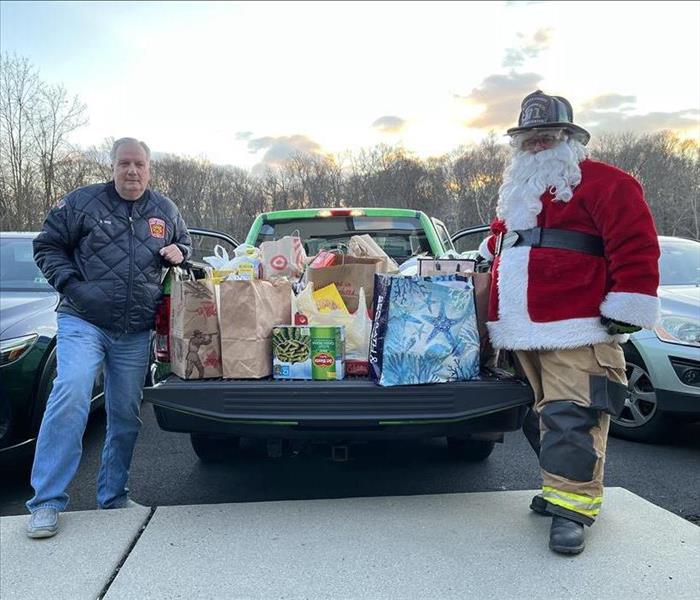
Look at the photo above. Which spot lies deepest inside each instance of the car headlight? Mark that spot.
(14, 348)
(678, 330)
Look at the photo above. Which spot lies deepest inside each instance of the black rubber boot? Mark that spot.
(566, 536)
(539, 505)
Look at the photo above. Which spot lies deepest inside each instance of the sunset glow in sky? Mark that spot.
(245, 83)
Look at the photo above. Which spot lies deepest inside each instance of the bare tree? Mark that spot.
(38, 165)
(314, 180)
(19, 90)
(99, 160)
(476, 175)
(667, 169)
(36, 120)
(57, 116)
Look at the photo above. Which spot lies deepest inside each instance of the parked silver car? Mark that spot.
(663, 364)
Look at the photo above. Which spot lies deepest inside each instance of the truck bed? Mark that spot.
(300, 408)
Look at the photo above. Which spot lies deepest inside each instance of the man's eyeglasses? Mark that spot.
(531, 140)
(540, 140)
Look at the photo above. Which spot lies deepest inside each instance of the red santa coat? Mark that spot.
(547, 298)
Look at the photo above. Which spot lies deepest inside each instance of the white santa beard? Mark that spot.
(529, 175)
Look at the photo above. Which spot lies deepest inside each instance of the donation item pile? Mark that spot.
(274, 312)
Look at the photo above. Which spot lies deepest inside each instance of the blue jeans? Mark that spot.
(82, 351)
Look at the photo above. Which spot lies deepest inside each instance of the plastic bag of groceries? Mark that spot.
(424, 330)
(243, 266)
(285, 257)
(358, 326)
(363, 246)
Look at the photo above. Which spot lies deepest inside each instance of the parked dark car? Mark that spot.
(27, 343)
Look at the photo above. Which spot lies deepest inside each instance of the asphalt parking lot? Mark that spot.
(166, 472)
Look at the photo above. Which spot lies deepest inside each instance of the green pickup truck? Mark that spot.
(472, 415)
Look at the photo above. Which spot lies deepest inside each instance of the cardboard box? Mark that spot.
(291, 352)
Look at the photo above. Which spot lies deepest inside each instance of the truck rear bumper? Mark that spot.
(352, 408)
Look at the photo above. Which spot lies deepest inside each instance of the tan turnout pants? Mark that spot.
(576, 390)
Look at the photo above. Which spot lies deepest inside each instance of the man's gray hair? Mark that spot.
(128, 140)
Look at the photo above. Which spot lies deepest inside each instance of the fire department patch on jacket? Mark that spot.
(157, 227)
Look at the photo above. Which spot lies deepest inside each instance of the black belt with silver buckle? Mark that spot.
(563, 239)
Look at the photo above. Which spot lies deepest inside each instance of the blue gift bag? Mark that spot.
(424, 330)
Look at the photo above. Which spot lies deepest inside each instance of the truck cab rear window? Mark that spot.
(399, 237)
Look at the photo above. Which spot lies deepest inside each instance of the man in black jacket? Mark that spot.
(103, 248)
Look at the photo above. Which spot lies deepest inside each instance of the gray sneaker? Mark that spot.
(43, 523)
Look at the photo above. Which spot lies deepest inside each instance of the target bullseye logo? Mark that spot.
(278, 262)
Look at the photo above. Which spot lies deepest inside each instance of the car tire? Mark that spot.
(213, 449)
(640, 419)
(469, 450)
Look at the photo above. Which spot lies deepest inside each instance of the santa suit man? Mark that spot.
(575, 269)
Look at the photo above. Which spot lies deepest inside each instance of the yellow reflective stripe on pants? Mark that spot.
(575, 502)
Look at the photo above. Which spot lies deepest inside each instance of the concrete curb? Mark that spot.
(448, 546)
(76, 563)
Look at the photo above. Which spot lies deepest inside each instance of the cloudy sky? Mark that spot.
(249, 83)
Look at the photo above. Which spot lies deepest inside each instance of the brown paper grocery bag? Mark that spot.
(248, 312)
(482, 291)
(194, 328)
(349, 274)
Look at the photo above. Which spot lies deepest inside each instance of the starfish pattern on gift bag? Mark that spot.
(442, 324)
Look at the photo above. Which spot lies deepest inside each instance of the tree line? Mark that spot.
(38, 166)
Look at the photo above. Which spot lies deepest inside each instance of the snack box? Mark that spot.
(323, 259)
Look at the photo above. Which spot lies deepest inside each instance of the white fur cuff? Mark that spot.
(523, 334)
(637, 309)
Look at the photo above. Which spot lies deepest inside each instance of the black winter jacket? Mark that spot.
(106, 264)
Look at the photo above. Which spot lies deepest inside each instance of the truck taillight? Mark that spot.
(162, 338)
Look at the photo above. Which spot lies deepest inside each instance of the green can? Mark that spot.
(327, 353)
